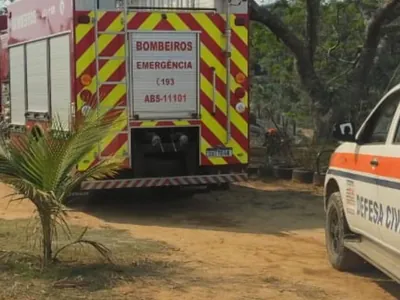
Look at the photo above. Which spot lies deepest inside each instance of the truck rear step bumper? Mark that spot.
(163, 181)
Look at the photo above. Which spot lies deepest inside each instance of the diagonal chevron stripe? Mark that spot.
(221, 71)
(214, 160)
(220, 40)
(151, 22)
(113, 97)
(116, 147)
(219, 132)
(206, 52)
(83, 29)
(207, 88)
(241, 31)
(105, 73)
(118, 126)
(150, 124)
(212, 45)
(103, 41)
(177, 22)
(109, 68)
(207, 55)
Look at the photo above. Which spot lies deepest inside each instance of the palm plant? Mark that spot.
(41, 168)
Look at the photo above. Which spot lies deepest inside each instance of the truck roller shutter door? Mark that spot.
(17, 85)
(60, 74)
(37, 68)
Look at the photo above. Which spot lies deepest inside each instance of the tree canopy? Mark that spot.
(324, 59)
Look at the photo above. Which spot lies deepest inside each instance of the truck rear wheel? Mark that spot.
(220, 187)
(336, 228)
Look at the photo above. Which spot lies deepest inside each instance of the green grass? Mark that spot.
(80, 273)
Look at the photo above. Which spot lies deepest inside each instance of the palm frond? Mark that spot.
(104, 169)
(42, 169)
(34, 166)
(103, 250)
(85, 140)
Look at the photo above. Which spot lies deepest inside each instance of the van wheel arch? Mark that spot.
(336, 229)
(331, 187)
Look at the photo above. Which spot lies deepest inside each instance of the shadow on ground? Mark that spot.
(91, 276)
(79, 270)
(241, 209)
(390, 286)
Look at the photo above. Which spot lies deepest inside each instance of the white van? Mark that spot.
(362, 192)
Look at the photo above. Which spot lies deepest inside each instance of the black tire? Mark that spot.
(226, 186)
(266, 171)
(282, 172)
(220, 187)
(77, 201)
(319, 179)
(336, 228)
(173, 193)
(99, 198)
(302, 176)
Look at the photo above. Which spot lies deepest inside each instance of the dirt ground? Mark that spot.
(260, 240)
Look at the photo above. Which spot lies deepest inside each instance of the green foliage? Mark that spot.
(41, 168)
(341, 35)
(278, 88)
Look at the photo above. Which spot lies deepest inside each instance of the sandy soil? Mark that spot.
(257, 241)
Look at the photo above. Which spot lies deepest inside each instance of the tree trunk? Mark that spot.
(47, 239)
(321, 99)
(324, 111)
(322, 127)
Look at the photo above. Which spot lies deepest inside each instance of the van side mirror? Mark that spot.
(344, 132)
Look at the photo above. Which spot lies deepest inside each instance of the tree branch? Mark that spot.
(340, 38)
(383, 45)
(313, 14)
(370, 47)
(376, 19)
(309, 78)
(264, 16)
(367, 11)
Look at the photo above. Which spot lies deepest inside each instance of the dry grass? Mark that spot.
(81, 273)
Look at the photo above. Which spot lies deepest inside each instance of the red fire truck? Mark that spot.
(175, 73)
(4, 71)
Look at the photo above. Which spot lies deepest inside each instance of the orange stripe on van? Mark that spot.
(388, 166)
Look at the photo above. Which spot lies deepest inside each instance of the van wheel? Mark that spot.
(336, 228)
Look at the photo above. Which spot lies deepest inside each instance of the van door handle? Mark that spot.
(374, 162)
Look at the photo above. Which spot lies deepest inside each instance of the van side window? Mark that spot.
(377, 127)
(396, 139)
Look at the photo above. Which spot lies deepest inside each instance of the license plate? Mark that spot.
(219, 152)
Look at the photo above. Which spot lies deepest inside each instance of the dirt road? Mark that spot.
(257, 241)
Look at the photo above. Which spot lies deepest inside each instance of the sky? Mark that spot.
(2, 2)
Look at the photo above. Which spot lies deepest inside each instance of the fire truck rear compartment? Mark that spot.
(162, 152)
